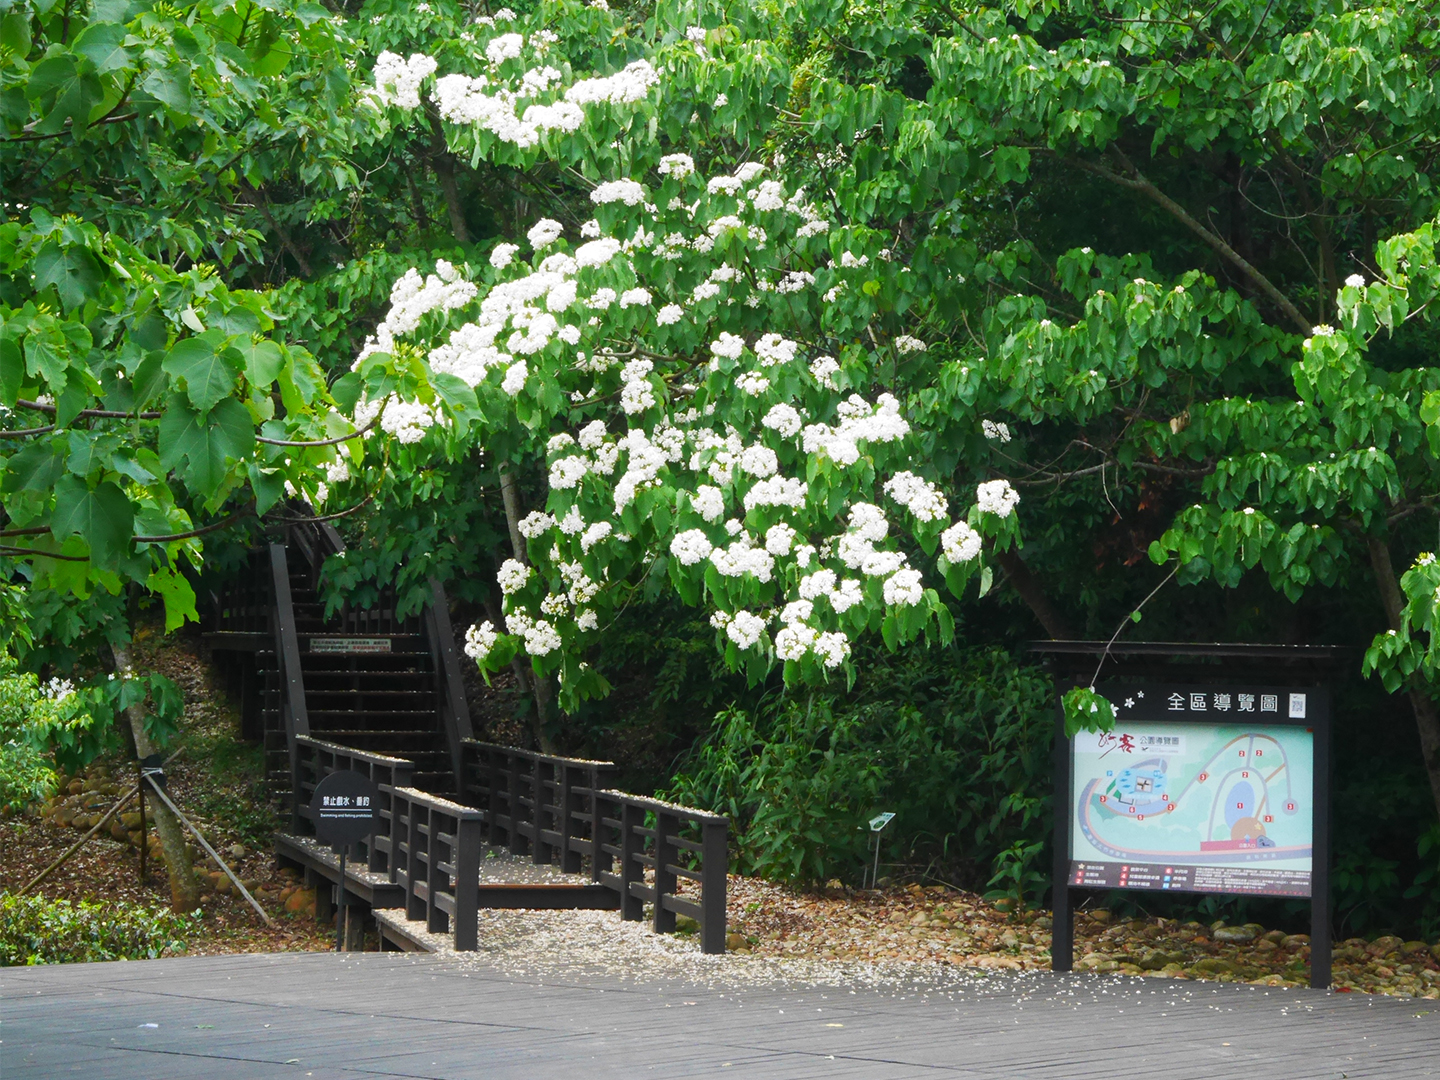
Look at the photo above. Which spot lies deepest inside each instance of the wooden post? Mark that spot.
(600, 859)
(414, 906)
(518, 844)
(714, 872)
(466, 859)
(436, 880)
(666, 853)
(539, 849)
(570, 804)
(632, 908)
(1062, 929)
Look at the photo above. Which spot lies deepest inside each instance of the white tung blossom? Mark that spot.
(480, 639)
(997, 497)
(513, 576)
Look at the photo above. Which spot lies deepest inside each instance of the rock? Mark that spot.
(684, 924)
(920, 918)
(1099, 915)
(1213, 965)
(288, 892)
(997, 963)
(1044, 922)
(1234, 935)
(1384, 946)
(75, 787)
(1276, 936)
(735, 942)
(301, 901)
(237, 851)
(130, 819)
(1266, 945)
(1414, 948)
(1295, 941)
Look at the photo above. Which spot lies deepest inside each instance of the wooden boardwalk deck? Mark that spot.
(355, 1016)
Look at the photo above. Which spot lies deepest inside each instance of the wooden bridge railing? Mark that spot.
(535, 804)
(316, 759)
(674, 843)
(548, 806)
(435, 856)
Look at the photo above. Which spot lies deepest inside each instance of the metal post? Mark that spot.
(1062, 929)
(144, 838)
(342, 924)
(1320, 973)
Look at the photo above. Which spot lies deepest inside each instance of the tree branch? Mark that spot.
(1137, 181)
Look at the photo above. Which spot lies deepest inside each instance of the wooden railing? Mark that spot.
(558, 809)
(435, 857)
(317, 759)
(294, 717)
(535, 804)
(674, 843)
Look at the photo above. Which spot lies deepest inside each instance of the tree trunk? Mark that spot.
(445, 172)
(1427, 717)
(539, 685)
(1033, 594)
(184, 888)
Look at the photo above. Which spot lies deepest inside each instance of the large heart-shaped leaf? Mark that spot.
(71, 269)
(208, 368)
(101, 516)
(206, 443)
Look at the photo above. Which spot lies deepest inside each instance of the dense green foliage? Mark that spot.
(34, 930)
(955, 744)
(1186, 258)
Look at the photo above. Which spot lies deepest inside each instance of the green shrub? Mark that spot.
(955, 742)
(34, 930)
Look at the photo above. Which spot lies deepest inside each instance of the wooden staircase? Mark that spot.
(365, 678)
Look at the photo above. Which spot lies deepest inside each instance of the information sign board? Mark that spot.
(344, 807)
(350, 645)
(1215, 788)
(1196, 790)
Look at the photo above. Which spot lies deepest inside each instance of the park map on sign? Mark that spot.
(1217, 802)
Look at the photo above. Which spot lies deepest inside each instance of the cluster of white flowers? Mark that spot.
(397, 80)
(920, 497)
(628, 192)
(995, 431)
(513, 576)
(480, 639)
(960, 543)
(907, 344)
(859, 423)
(57, 689)
(744, 628)
(997, 497)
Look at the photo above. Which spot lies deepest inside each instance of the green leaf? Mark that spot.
(101, 516)
(36, 467)
(101, 43)
(15, 32)
(263, 361)
(170, 86)
(208, 369)
(179, 597)
(149, 379)
(71, 269)
(12, 370)
(203, 445)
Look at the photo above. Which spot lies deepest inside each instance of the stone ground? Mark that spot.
(353, 1016)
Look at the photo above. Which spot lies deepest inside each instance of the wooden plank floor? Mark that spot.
(368, 1015)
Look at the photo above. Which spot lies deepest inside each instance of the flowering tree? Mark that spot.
(718, 293)
(708, 416)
